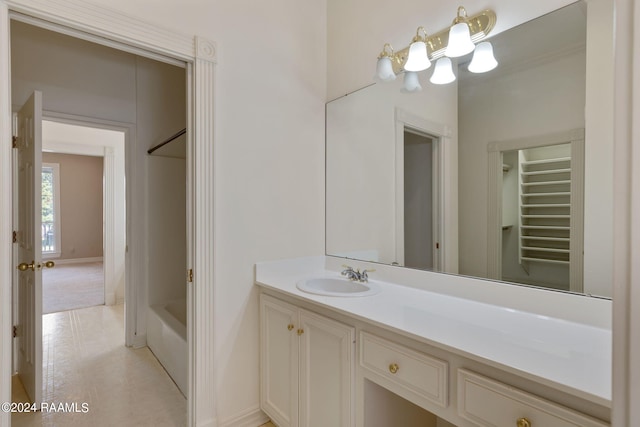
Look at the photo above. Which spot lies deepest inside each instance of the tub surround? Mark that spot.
(167, 339)
(560, 341)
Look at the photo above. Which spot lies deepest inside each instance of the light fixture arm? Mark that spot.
(480, 25)
(387, 50)
(461, 16)
(418, 37)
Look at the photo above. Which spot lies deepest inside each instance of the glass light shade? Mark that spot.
(411, 82)
(483, 59)
(459, 41)
(417, 60)
(384, 70)
(443, 72)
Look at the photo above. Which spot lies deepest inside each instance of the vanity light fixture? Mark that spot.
(459, 36)
(443, 73)
(457, 40)
(384, 70)
(483, 59)
(411, 82)
(418, 58)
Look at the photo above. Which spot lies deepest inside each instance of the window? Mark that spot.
(51, 209)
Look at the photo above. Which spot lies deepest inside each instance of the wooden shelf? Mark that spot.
(536, 225)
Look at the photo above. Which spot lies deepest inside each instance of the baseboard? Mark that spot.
(110, 298)
(78, 260)
(252, 417)
(140, 341)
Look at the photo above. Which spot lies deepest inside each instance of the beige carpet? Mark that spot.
(71, 286)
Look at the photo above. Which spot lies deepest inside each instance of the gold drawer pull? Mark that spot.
(393, 368)
(290, 326)
(523, 422)
(300, 331)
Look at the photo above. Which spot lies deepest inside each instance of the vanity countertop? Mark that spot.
(572, 357)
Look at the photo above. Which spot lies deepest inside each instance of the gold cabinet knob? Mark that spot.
(300, 331)
(23, 266)
(49, 264)
(393, 368)
(523, 422)
(290, 326)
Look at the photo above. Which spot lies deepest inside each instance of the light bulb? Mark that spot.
(384, 70)
(417, 60)
(411, 82)
(459, 41)
(443, 72)
(483, 59)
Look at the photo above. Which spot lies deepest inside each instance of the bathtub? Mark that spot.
(167, 339)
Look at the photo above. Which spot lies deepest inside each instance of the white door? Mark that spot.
(29, 246)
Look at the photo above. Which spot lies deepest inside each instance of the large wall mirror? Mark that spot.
(505, 175)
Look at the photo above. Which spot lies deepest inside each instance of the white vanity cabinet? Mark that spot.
(487, 403)
(306, 365)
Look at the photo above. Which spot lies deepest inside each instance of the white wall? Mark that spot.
(167, 226)
(599, 150)
(161, 112)
(361, 158)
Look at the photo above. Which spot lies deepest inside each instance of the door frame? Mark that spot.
(443, 219)
(575, 137)
(129, 33)
(114, 159)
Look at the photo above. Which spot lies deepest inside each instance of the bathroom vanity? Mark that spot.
(417, 352)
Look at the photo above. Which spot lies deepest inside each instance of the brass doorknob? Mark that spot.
(290, 326)
(393, 368)
(23, 266)
(523, 422)
(49, 264)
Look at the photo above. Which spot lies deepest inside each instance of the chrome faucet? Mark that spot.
(356, 275)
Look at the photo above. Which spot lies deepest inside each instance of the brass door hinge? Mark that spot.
(15, 331)
(14, 141)
(15, 237)
(190, 275)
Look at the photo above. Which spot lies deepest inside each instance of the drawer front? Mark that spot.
(489, 403)
(421, 374)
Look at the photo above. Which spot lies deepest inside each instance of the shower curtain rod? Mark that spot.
(166, 141)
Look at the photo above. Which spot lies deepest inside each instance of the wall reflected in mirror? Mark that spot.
(410, 177)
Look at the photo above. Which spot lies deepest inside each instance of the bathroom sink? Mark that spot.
(337, 287)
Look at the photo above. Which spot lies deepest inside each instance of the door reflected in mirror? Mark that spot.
(549, 82)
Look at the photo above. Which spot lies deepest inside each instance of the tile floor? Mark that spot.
(71, 286)
(85, 361)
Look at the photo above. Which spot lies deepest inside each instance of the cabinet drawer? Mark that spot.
(421, 374)
(489, 403)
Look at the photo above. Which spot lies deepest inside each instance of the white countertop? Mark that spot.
(569, 356)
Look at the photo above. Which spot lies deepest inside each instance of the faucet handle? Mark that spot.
(364, 277)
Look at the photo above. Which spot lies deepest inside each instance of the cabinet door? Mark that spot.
(279, 361)
(326, 372)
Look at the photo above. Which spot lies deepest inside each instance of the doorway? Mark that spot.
(418, 200)
(132, 34)
(91, 220)
(138, 101)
